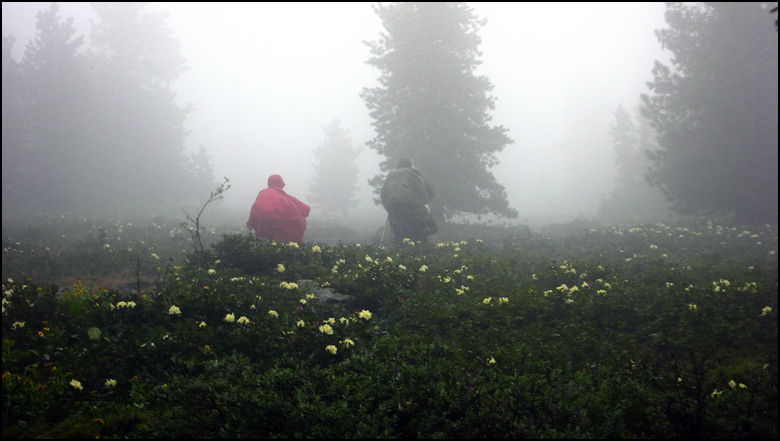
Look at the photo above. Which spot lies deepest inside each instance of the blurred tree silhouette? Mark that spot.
(334, 185)
(47, 95)
(633, 198)
(715, 111)
(136, 120)
(430, 106)
(97, 131)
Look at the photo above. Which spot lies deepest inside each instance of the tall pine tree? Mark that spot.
(432, 108)
(137, 120)
(715, 110)
(54, 95)
(334, 185)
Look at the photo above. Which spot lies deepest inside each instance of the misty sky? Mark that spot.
(265, 79)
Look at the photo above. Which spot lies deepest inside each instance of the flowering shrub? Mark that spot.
(518, 336)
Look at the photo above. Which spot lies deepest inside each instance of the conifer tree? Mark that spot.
(432, 108)
(335, 182)
(715, 111)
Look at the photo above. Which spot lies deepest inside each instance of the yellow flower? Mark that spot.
(364, 314)
(326, 329)
(715, 393)
(174, 310)
(732, 384)
(423, 269)
(273, 314)
(601, 291)
(487, 300)
(207, 348)
(569, 301)
(243, 320)
(316, 249)
(332, 349)
(401, 267)
(742, 386)
(562, 287)
(303, 301)
(347, 342)
(211, 272)
(76, 384)
(692, 307)
(280, 268)
(292, 286)
(17, 325)
(309, 296)
(492, 360)
(344, 320)
(301, 323)
(230, 318)
(766, 310)
(503, 300)
(202, 325)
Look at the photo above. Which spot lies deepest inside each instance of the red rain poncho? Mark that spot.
(277, 215)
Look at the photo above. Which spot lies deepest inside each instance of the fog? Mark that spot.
(265, 79)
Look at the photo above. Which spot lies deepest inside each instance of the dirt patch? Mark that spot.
(111, 282)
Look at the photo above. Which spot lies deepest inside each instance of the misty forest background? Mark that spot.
(94, 129)
(658, 326)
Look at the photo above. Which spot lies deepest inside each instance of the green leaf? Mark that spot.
(94, 333)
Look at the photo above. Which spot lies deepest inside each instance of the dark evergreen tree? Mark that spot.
(430, 106)
(137, 122)
(715, 110)
(335, 182)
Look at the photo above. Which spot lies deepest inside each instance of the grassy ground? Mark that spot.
(647, 330)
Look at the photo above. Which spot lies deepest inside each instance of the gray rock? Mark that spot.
(325, 295)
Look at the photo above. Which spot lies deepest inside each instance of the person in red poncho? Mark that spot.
(277, 215)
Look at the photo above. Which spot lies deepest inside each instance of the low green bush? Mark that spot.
(637, 332)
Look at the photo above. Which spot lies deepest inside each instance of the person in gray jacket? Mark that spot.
(404, 195)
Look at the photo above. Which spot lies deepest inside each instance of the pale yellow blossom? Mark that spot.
(174, 310)
(76, 384)
(273, 314)
(364, 314)
(230, 318)
(332, 349)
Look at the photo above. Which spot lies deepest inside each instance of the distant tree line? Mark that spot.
(715, 111)
(96, 129)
